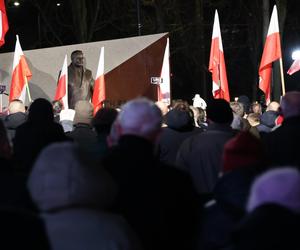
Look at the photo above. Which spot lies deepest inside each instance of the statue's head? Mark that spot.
(77, 58)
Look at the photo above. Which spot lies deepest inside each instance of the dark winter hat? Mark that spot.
(246, 102)
(242, 151)
(40, 111)
(219, 111)
(179, 119)
(104, 119)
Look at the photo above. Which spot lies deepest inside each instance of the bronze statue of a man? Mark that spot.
(80, 80)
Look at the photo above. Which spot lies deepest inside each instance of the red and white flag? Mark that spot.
(20, 76)
(163, 88)
(61, 93)
(271, 53)
(294, 67)
(99, 94)
(217, 64)
(3, 22)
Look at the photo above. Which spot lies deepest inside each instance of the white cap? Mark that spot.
(198, 102)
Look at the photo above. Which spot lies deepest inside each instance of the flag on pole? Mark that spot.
(294, 67)
(163, 88)
(271, 53)
(3, 22)
(20, 76)
(61, 93)
(217, 64)
(99, 94)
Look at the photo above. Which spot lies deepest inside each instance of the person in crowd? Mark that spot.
(164, 108)
(280, 185)
(157, 200)
(243, 158)
(199, 102)
(196, 115)
(180, 125)
(200, 155)
(253, 119)
(267, 122)
(256, 108)
(273, 106)
(102, 122)
(16, 116)
(83, 132)
(36, 133)
(239, 122)
(21, 229)
(74, 195)
(282, 144)
(273, 217)
(5, 147)
(57, 108)
(80, 80)
(246, 103)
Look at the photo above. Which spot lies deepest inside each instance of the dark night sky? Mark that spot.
(24, 21)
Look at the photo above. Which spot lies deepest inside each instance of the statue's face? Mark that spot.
(78, 60)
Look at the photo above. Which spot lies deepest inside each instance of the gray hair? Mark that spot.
(140, 117)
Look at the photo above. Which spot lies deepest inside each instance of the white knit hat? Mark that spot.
(63, 176)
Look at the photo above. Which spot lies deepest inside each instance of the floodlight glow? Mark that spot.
(296, 55)
(16, 3)
(57, 4)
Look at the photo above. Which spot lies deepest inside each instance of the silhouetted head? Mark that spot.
(40, 111)
(219, 111)
(290, 104)
(104, 119)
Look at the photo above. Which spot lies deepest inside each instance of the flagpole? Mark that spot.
(282, 76)
(27, 88)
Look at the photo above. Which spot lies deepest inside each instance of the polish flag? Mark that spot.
(62, 86)
(271, 53)
(3, 22)
(163, 88)
(99, 86)
(294, 67)
(20, 76)
(217, 64)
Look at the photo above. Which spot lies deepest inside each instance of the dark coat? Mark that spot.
(31, 138)
(282, 145)
(12, 121)
(157, 200)
(200, 155)
(268, 227)
(180, 127)
(267, 122)
(220, 218)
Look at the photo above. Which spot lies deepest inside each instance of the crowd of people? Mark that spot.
(150, 176)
